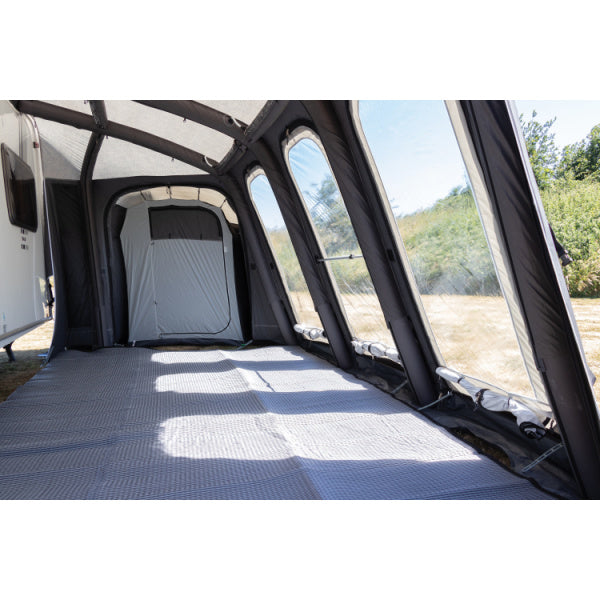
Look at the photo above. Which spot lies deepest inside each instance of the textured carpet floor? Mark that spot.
(268, 423)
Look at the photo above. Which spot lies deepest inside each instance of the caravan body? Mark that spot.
(23, 282)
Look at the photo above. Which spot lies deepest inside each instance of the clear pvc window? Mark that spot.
(341, 250)
(281, 244)
(418, 159)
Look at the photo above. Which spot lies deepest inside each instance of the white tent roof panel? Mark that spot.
(65, 146)
(122, 159)
(202, 139)
(63, 149)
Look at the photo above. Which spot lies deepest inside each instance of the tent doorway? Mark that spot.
(178, 257)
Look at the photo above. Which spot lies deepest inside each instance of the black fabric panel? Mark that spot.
(264, 326)
(241, 285)
(59, 336)
(269, 313)
(181, 223)
(72, 274)
(116, 275)
(550, 331)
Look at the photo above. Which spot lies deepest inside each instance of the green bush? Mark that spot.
(447, 248)
(448, 251)
(573, 209)
(286, 257)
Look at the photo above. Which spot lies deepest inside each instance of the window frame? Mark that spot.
(254, 172)
(291, 139)
(481, 200)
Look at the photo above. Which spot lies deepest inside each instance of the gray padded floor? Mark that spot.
(268, 423)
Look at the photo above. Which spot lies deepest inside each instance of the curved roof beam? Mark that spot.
(98, 109)
(51, 112)
(87, 170)
(201, 114)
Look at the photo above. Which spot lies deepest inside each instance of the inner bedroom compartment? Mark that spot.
(179, 264)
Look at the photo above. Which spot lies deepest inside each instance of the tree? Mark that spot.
(543, 154)
(582, 159)
(331, 219)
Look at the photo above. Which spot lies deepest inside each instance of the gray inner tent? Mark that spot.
(178, 258)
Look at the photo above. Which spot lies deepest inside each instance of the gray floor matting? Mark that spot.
(268, 423)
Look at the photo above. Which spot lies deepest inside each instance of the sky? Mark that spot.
(414, 148)
(574, 118)
(416, 153)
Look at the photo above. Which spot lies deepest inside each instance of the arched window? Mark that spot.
(341, 251)
(281, 245)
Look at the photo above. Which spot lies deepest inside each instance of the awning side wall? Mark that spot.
(74, 325)
(552, 337)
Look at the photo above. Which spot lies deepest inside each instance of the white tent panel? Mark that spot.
(190, 300)
(186, 133)
(135, 241)
(122, 159)
(63, 149)
(179, 288)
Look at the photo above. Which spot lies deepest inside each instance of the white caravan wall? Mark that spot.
(178, 288)
(22, 268)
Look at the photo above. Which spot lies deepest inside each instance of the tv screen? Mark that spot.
(19, 185)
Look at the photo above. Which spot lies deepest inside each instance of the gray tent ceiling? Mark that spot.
(140, 137)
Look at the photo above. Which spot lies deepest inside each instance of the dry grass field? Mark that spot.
(474, 335)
